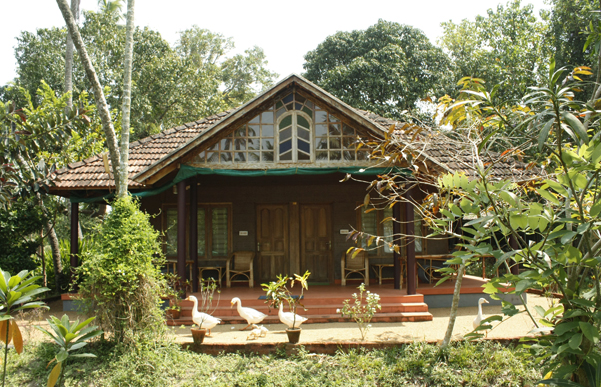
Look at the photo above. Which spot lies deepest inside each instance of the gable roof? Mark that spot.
(155, 156)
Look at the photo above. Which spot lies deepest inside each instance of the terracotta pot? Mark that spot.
(198, 335)
(293, 335)
(173, 313)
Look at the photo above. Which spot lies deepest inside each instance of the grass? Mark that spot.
(152, 364)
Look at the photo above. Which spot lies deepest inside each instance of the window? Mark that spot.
(214, 226)
(293, 130)
(378, 223)
(294, 138)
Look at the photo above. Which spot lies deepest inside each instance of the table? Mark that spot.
(378, 270)
(218, 269)
(172, 267)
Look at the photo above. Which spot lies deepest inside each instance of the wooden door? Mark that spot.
(272, 241)
(316, 242)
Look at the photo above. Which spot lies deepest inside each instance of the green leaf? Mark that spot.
(564, 327)
(518, 221)
(595, 209)
(575, 341)
(589, 331)
(62, 355)
(544, 134)
(547, 195)
(576, 125)
(567, 237)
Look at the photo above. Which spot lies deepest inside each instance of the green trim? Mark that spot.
(187, 171)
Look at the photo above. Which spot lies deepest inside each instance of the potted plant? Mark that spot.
(174, 291)
(280, 291)
(201, 312)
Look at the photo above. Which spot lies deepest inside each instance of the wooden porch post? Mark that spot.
(74, 250)
(194, 232)
(411, 266)
(396, 230)
(181, 230)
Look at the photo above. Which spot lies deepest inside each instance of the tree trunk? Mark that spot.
(127, 64)
(454, 307)
(69, 55)
(56, 255)
(101, 105)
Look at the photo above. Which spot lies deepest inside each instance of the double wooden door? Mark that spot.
(293, 239)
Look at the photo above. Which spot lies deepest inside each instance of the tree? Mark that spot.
(34, 142)
(507, 47)
(553, 221)
(548, 226)
(103, 109)
(168, 86)
(384, 69)
(568, 22)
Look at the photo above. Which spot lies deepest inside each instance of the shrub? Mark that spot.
(360, 312)
(120, 276)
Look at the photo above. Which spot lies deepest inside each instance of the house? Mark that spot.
(266, 178)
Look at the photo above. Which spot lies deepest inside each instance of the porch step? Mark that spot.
(313, 319)
(314, 309)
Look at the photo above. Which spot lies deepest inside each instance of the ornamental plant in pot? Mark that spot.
(280, 292)
(203, 310)
(174, 291)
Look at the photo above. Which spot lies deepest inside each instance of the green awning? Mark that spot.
(187, 171)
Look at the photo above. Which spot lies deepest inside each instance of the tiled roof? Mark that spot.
(439, 152)
(90, 173)
(443, 154)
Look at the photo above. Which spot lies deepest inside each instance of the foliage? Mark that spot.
(416, 364)
(69, 337)
(20, 227)
(507, 47)
(35, 140)
(16, 294)
(170, 85)
(280, 291)
(175, 290)
(360, 312)
(120, 275)
(553, 221)
(384, 69)
(568, 21)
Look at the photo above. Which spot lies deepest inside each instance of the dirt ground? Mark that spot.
(517, 326)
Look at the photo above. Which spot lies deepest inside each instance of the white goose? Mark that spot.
(252, 316)
(480, 316)
(289, 319)
(203, 320)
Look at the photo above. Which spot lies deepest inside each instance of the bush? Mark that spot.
(120, 275)
(20, 227)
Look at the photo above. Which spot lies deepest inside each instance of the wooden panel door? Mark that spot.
(316, 242)
(272, 241)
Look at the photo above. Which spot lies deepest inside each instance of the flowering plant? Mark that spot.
(360, 312)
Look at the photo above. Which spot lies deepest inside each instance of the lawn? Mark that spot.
(417, 364)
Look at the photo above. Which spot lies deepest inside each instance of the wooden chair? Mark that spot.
(240, 264)
(359, 264)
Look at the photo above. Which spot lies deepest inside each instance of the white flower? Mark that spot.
(337, 310)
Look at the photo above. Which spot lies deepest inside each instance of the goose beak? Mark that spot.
(486, 301)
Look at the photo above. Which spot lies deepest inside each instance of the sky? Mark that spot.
(286, 30)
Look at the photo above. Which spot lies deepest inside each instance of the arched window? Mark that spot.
(294, 137)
